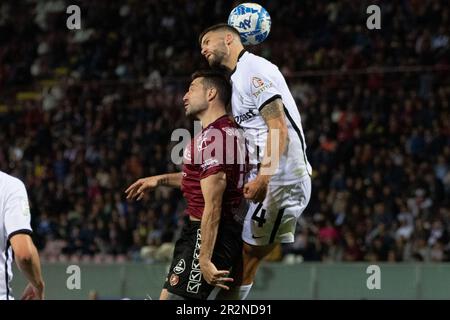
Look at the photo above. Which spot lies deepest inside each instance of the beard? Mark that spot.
(194, 110)
(217, 57)
(215, 62)
(191, 112)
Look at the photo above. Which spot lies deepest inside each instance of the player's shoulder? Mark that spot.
(224, 121)
(224, 126)
(254, 61)
(256, 69)
(9, 183)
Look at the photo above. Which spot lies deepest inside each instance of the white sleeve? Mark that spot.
(263, 87)
(17, 210)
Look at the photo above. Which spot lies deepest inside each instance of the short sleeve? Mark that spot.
(263, 88)
(17, 210)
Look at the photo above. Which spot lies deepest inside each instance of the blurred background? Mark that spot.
(84, 113)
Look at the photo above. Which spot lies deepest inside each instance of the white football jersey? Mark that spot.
(256, 82)
(14, 219)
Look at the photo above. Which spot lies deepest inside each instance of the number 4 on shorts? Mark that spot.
(260, 219)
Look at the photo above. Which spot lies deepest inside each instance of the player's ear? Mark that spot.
(211, 94)
(229, 37)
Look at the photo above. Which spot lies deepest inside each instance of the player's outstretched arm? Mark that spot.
(213, 188)
(27, 259)
(273, 115)
(138, 189)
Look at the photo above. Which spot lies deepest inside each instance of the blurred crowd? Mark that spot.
(84, 113)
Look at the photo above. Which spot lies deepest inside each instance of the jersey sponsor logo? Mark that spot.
(211, 162)
(179, 268)
(262, 89)
(245, 116)
(257, 82)
(174, 279)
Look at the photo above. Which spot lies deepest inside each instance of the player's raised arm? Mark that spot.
(276, 142)
(138, 188)
(213, 188)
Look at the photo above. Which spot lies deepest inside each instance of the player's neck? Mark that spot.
(232, 60)
(211, 115)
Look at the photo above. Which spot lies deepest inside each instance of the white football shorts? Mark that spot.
(275, 219)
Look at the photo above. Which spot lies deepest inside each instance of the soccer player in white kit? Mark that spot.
(15, 240)
(280, 186)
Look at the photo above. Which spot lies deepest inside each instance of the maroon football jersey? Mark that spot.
(218, 147)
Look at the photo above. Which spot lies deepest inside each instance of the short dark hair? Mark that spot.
(219, 26)
(216, 79)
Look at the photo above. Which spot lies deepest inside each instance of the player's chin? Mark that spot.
(190, 113)
(214, 63)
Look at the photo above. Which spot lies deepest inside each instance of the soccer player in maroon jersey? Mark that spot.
(211, 181)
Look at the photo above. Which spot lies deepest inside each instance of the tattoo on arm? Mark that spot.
(272, 110)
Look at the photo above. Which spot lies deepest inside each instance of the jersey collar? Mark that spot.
(239, 57)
